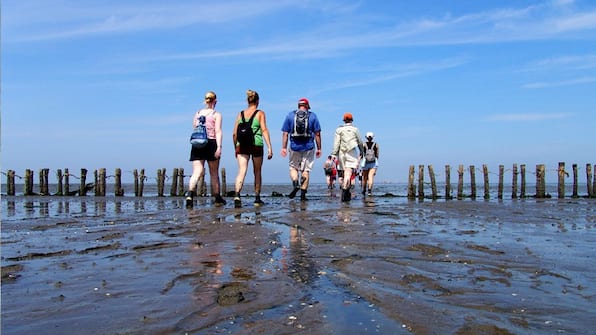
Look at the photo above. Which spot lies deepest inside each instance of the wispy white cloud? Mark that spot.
(569, 82)
(528, 117)
(42, 20)
(564, 63)
(383, 74)
(78, 19)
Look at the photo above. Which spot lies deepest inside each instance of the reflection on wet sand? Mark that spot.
(319, 267)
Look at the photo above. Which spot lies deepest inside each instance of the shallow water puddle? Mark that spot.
(343, 312)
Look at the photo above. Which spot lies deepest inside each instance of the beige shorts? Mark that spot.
(302, 160)
(349, 160)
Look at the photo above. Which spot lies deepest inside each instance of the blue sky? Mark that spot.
(114, 84)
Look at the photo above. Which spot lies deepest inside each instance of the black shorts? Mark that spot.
(251, 150)
(206, 153)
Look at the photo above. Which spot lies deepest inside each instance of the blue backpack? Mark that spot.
(198, 138)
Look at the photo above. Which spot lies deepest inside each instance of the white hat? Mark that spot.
(370, 134)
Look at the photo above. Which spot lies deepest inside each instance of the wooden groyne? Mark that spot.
(518, 174)
(99, 183)
(416, 186)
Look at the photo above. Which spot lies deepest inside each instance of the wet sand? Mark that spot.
(384, 265)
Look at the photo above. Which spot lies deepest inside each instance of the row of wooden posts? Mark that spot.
(515, 193)
(99, 184)
(177, 182)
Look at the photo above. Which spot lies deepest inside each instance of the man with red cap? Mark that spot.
(301, 127)
(348, 147)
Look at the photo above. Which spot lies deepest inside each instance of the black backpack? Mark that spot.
(244, 133)
(301, 124)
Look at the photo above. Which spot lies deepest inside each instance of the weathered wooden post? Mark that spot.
(200, 185)
(522, 191)
(46, 182)
(96, 184)
(594, 185)
(561, 185)
(66, 182)
(203, 189)
(30, 179)
(460, 182)
(83, 183)
(181, 182)
(102, 182)
(164, 177)
(135, 175)
(420, 181)
(224, 188)
(60, 178)
(501, 176)
(447, 182)
(433, 182)
(589, 180)
(514, 182)
(473, 181)
(141, 182)
(540, 182)
(160, 182)
(486, 184)
(118, 190)
(29, 182)
(43, 185)
(411, 186)
(10, 189)
(174, 188)
(574, 192)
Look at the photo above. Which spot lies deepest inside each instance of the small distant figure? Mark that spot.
(330, 168)
(250, 133)
(301, 127)
(348, 147)
(210, 152)
(370, 163)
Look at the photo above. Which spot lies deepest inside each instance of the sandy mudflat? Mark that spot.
(386, 265)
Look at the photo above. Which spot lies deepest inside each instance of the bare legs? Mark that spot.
(368, 179)
(198, 170)
(257, 164)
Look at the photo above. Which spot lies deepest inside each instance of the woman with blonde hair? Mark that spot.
(211, 152)
(251, 147)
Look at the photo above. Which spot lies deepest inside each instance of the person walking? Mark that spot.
(250, 134)
(348, 147)
(302, 130)
(210, 152)
(371, 163)
(330, 171)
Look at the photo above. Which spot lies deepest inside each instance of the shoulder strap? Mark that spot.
(253, 116)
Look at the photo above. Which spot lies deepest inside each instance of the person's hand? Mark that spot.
(269, 154)
(284, 152)
(318, 153)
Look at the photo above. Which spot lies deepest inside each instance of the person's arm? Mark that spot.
(284, 144)
(234, 135)
(265, 132)
(218, 134)
(318, 142)
(376, 150)
(195, 119)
